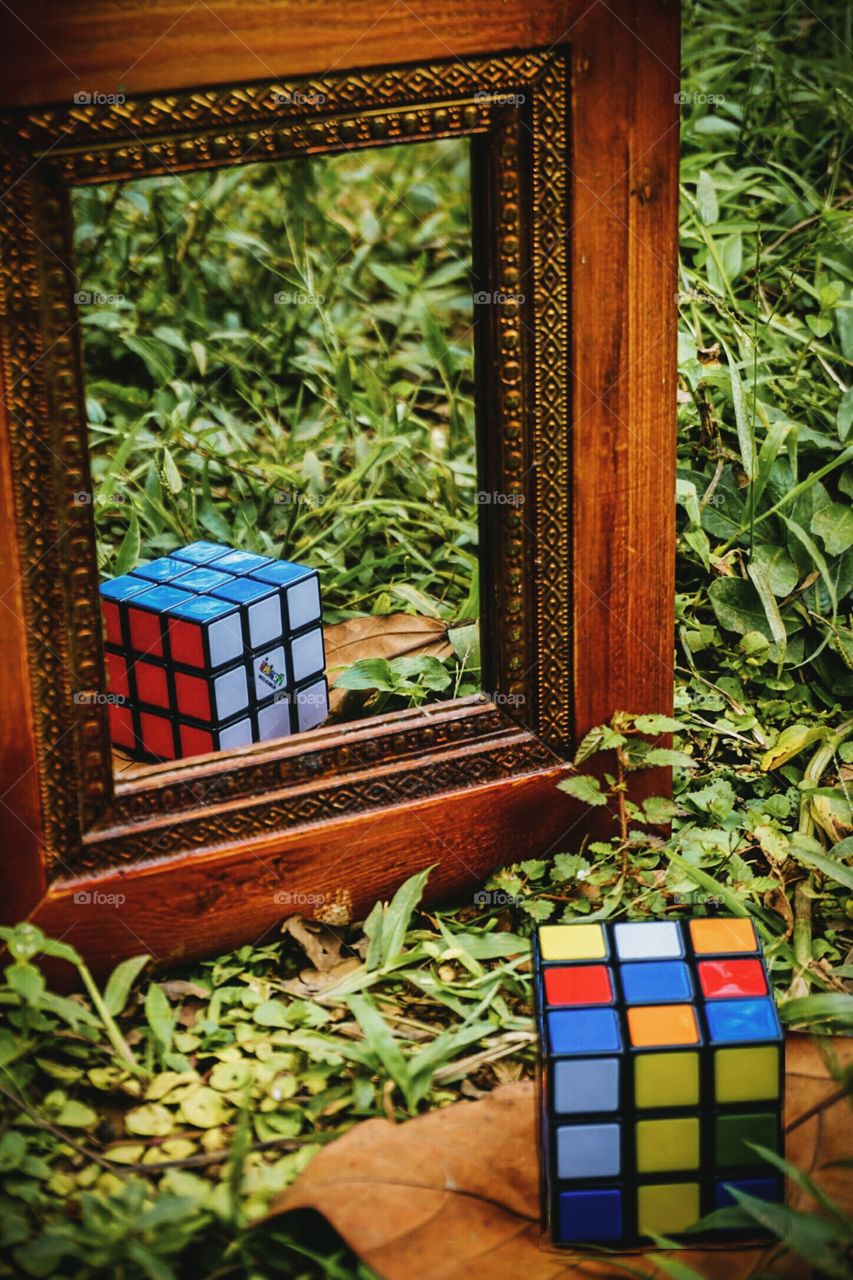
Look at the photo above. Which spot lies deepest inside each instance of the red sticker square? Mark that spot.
(725, 978)
(186, 643)
(195, 742)
(117, 674)
(121, 726)
(145, 633)
(192, 695)
(112, 622)
(151, 684)
(578, 984)
(157, 736)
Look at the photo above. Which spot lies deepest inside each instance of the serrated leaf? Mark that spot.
(583, 788)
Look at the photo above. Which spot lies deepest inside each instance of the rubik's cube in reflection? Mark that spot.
(661, 1062)
(210, 648)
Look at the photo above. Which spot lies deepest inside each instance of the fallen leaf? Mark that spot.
(388, 636)
(321, 944)
(454, 1194)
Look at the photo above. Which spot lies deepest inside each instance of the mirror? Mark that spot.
(279, 382)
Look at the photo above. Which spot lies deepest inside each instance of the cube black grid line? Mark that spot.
(661, 1060)
(204, 654)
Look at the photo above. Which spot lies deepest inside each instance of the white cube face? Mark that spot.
(226, 639)
(236, 735)
(269, 672)
(265, 621)
(274, 720)
(230, 693)
(312, 705)
(303, 604)
(306, 653)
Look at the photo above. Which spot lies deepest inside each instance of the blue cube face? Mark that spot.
(124, 587)
(200, 552)
(656, 981)
(162, 570)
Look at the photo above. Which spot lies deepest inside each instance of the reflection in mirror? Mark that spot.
(278, 365)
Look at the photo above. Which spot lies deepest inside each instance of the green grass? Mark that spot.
(761, 815)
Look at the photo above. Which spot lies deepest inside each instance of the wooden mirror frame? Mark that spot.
(574, 191)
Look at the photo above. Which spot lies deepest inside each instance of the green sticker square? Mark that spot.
(747, 1075)
(733, 1132)
(668, 1208)
(666, 1079)
(665, 1145)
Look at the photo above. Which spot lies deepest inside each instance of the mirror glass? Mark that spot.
(278, 365)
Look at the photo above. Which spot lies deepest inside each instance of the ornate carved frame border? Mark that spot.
(514, 108)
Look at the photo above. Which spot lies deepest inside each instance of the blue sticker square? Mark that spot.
(200, 579)
(586, 1084)
(124, 587)
(736, 1021)
(588, 1151)
(652, 981)
(583, 1031)
(589, 1215)
(241, 561)
(200, 552)
(761, 1188)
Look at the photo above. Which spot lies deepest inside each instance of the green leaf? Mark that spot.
(127, 557)
(151, 1120)
(790, 743)
(742, 419)
(834, 526)
(204, 1108)
(120, 982)
(669, 758)
(844, 417)
(832, 1006)
(583, 788)
(657, 724)
(737, 606)
(707, 882)
(761, 582)
(171, 474)
(381, 1043)
(830, 864)
(706, 198)
(387, 925)
(159, 1016)
(26, 981)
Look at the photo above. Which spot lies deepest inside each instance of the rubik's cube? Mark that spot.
(661, 1060)
(210, 648)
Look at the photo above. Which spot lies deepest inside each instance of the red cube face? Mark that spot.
(145, 632)
(192, 695)
(112, 622)
(578, 984)
(722, 978)
(195, 742)
(121, 726)
(117, 674)
(158, 738)
(186, 643)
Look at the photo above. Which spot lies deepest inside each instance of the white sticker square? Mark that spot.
(230, 693)
(265, 625)
(269, 671)
(306, 654)
(303, 604)
(225, 638)
(652, 940)
(312, 705)
(274, 720)
(236, 735)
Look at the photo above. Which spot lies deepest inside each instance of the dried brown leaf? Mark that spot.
(454, 1194)
(321, 944)
(388, 636)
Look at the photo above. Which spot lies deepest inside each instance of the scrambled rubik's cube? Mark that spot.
(661, 1060)
(210, 648)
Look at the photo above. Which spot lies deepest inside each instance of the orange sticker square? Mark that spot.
(722, 936)
(654, 1024)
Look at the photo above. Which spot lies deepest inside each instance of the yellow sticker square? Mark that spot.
(668, 1208)
(666, 1080)
(666, 1145)
(572, 942)
(746, 1075)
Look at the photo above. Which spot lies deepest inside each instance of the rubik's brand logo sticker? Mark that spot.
(270, 674)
